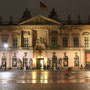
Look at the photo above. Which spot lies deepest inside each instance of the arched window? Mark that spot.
(76, 60)
(65, 60)
(54, 60)
(14, 60)
(3, 59)
(25, 59)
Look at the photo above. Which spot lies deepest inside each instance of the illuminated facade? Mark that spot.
(42, 42)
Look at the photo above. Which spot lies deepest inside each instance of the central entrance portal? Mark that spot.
(40, 62)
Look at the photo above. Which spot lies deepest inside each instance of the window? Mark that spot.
(25, 59)
(54, 42)
(14, 60)
(76, 41)
(3, 59)
(26, 42)
(4, 40)
(76, 60)
(15, 42)
(65, 41)
(86, 41)
(54, 60)
(65, 60)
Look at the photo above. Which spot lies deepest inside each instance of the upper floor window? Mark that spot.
(26, 42)
(54, 42)
(86, 41)
(65, 42)
(15, 42)
(4, 40)
(76, 41)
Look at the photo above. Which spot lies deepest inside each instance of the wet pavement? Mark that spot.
(44, 80)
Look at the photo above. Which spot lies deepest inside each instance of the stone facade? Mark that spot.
(42, 42)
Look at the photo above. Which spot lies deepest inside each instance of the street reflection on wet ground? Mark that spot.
(38, 76)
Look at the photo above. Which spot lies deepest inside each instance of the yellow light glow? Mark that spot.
(34, 75)
(41, 81)
(45, 81)
(34, 60)
(45, 60)
(33, 81)
(45, 75)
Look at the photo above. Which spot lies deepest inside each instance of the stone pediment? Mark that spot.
(40, 20)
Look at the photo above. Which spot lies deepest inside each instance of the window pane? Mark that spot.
(26, 42)
(54, 42)
(86, 41)
(4, 40)
(76, 41)
(15, 42)
(65, 41)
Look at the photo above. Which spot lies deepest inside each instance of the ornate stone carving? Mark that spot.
(40, 43)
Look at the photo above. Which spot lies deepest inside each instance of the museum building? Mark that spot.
(40, 42)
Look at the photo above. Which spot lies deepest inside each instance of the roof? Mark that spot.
(40, 20)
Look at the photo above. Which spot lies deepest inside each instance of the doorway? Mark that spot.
(40, 62)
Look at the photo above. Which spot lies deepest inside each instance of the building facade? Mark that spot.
(42, 42)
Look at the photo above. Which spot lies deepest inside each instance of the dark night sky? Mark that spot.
(63, 8)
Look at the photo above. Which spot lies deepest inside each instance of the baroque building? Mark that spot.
(42, 42)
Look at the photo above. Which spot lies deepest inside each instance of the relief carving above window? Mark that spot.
(86, 33)
(4, 35)
(54, 33)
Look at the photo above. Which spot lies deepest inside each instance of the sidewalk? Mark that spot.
(41, 70)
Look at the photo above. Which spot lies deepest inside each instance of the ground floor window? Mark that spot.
(4, 60)
(54, 60)
(25, 60)
(76, 60)
(14, 60)
(65, 60)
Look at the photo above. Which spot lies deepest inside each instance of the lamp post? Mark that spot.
(6, 46)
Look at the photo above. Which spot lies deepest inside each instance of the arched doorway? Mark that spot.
(40, 62)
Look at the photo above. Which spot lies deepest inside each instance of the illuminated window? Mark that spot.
(14, 60)
(54, 59)
(86, 41)
(65, 60)
(26, 42)
(15, 42)
(76, 41)
(4, 40)
(54, 42)
(3, 59)
(25, 59)
(65, 41)
(76, 60)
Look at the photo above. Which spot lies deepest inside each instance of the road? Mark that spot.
(44, 80)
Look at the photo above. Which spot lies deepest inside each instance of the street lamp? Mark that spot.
(6, 46)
